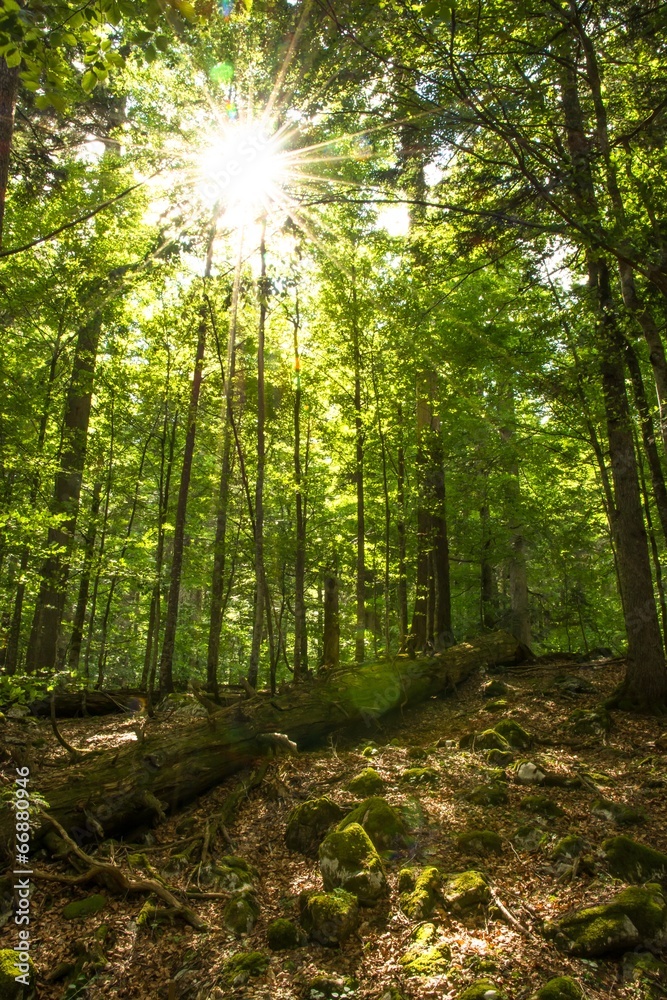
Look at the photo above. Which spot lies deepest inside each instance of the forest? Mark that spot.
(333, 500)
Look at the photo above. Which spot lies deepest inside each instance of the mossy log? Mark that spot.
(116, 791)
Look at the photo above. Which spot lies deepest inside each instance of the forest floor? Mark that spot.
(173, 962)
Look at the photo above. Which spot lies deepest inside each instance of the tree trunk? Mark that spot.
(300, 637)
(402, 588)
(331, 641)
(488, 593)
(360, 633)
(76, 638)
(648, 436)
(9, 81)
(518, 572)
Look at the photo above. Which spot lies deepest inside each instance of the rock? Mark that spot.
(590, 722)
(413, 815)
(348, 860)
(240, 913)
(11, 966)
(616, 812)
(497, 705)
(488, 740)
(369, 751)
(554, 780)
(308, 824)
(234, 874)
(392, 993)
(515, 734)
(642, 966)
(483, 842)
(419, 891)
(500, 758)
(420, 776)
(528, 773)
(530, 838)
(483, 989)
(495, 689)
(243, 966)
(465, 892)
(428, 953)
(367, 782)
(571, 685)
(542, 805)
(282, 935)
(570, 847)
(417, 753)
(326, 987)
(382, 823)
(634, 917)
(87, 907)
(633, 862)
(329, 917)
(561, 988)
(488, 795)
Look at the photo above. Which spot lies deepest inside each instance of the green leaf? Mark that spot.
(88, 81)
(13, 57)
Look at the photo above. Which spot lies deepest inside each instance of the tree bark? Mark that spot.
(360, 635)
(331, 641)
(76, 638)
(300, 636)
(402, 588)
(9, 81)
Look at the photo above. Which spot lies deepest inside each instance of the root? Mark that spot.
(510, 918)
(72, 751)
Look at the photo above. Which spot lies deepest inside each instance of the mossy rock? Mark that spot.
(413, 815)
(240, 913)
(618, 813)
(465, 891)
(635, 917)
(326, 987)
(244, 965)
(417, 753)
(348, 860)
(87, 907)
(10, 968)
(308, 823)
(633, 862)
(367, 782)
(553, 779)
(561, 988)
(392, 993)
(483, 989)
(419, 891)
(530, 838)
(496, 689)
(542, 806)
(382, 823)
(283, 935)
(494, 794)
(488, 740)
(428, 953)
(481, 842)
(570, 847)
(515, 734)
(420, 776)
(234, 874)
(528, 773)
(369, 751)
(329, 917)
(499, 758)
(642, 967)
(497, 705)
(590, 722)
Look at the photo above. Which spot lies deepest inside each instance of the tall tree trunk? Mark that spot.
(360, 627)
(517, 568)
(260, 588)
(488, 593)
(300, 637)
(331, 641)
(402, 588)
(655, 554)
(648, 436)
(76, 638)
(45, 633)
(9, 80)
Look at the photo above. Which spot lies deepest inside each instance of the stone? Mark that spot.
(515, 734)
(417, 753)
(420, 776)
(632, 861)
(499, 758)
(542, 806)
(618, 813)
(10, 968)
(494, 794)
(495, 689)
(240, 913)
(87, 907)
(483, 989)
(392, 993)
(428, 953)
(348, 860)
(419, 891)
(283, 935)
(382, 823)
(641, 966)
(528, 773)
(244, 965)
(482, 842)
(328, 987)
(465, 892)
(590, 722)
(308, 824)
(530, 838)
(488, 740)
(571, 685)
(560, 988)
(634, 917)
(367, 782)
(329, 917)
(233, 874)
(570, 847)
(497, 705)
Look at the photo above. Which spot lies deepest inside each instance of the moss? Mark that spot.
(636, 916)
(488, 740)
(515, 734)
(500, 758)
(633, 862)
(85, 907)
(561, 988)
(238, 969)
(529, 838)
(308, 824)
(240, 913)
(9, 969)
(392, 993)
(482, 842)
(420, 899)
(348, 860)
(542, 805)
(417, 753)
(570, 847)
(369, 751)
(367, 782)
(329, 917)
(420, 775)
(483, 989)
(428, 953)
(282, 935)
(590, 722)
(616, 812)
(325, 987)
(381, 822)
(642, 965)
(488, 795)
(465, 891)
(497, 705)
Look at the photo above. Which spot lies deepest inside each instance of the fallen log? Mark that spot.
(119, 790)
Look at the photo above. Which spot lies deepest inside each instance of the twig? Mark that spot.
(75, 754)
(510, 918)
